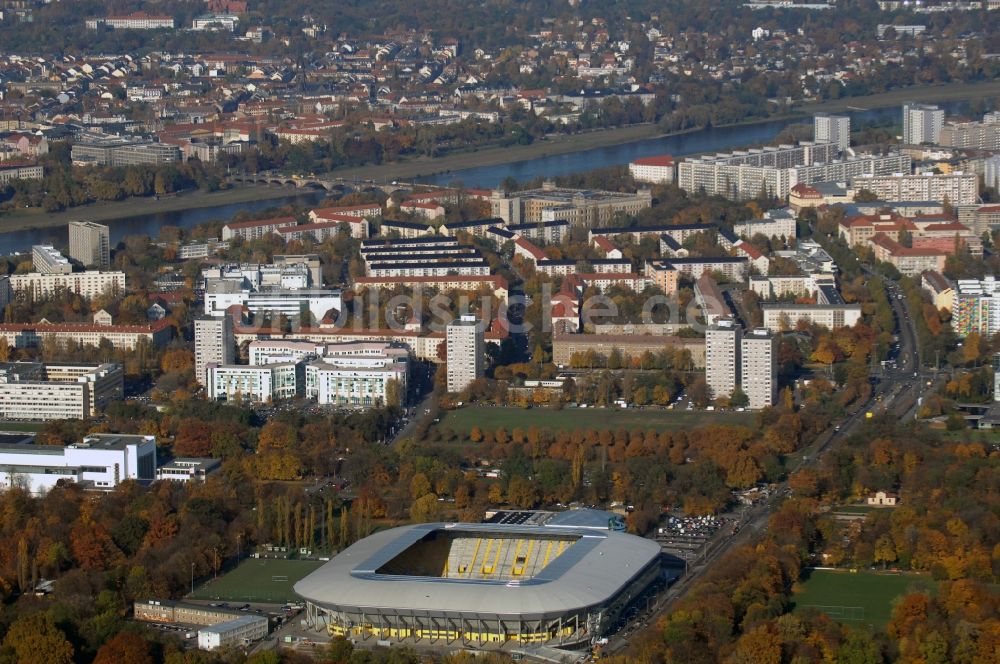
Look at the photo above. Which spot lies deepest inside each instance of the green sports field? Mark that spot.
(258, 580)
(568, 419)
(861, 598)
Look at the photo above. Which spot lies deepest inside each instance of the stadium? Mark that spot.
(563, 583)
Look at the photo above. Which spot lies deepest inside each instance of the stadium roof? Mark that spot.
(591, 571)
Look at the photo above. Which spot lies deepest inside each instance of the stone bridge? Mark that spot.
(331, 184)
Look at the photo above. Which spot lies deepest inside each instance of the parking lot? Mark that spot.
(687, 537)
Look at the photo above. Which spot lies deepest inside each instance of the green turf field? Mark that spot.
(258, 580)
(27, 427)
(568, 419)
(863, 598)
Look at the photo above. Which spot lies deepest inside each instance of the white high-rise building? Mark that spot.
(90, 244)
(464, 343)
(214, 343)
(832, 129)
(922, 123)
(722, 357)
(759, 363)
(991, 174)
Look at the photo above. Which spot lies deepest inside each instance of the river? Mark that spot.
(714, 139)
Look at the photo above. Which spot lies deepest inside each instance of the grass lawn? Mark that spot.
(258, 580)
(856, 597)
(852, 509)
(462, 420)
(26, 427)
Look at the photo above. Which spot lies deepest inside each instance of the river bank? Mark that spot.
(443, 169)
(558, 144)
(111, 210)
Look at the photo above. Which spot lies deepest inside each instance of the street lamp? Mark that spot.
(238, 537)
(192, 577)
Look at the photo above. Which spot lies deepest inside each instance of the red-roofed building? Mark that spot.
(803, 196)
(527, 250)
(655, 170)
(425, 210)
(325, 214)
(139, 20)
(329, 227)
(607, 246)
(604, 280)
(860, 229)
(253, 230)
(30, 335)
(910, 261)
(756, 258)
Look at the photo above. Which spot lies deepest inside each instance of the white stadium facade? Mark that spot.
(561, 584)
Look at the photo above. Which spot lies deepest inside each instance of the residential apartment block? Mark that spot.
(745, 174)
(758, 372)
(214, 343)
(256, 229)
(90, 244)
(88, 284)
(956, 188)
(834, 129)
(722, 357)
(922, 123)
(975, 307)
(464, 338)
(46, 259)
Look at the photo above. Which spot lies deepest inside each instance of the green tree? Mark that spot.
(35, 639)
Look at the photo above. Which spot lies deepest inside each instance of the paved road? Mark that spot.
(893, 386)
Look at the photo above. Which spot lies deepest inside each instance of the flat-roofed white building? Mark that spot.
(655, 170)
(778, 317)
(220, 294)
(272, 351)
(259, 384)
(99, 461)
(359, 375)
(48, 260)
(957, 188)
(237, 632)
(88, 284)
(41, 392)
(186, 469)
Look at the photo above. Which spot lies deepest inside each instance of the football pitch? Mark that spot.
(258, 580)
(860, 598)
